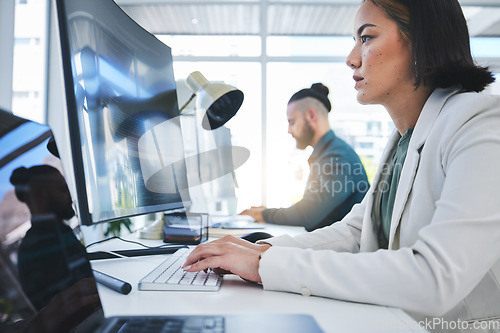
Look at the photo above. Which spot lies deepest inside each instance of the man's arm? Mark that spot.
(329, 196)
(255, 212)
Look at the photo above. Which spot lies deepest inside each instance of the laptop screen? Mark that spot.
(45, 278)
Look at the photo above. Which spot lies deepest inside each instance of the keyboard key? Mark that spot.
(176, 277)
(187, 278)
(212, 280)
(200, 278)
(170, 276)
(153, 275)
(168, 273)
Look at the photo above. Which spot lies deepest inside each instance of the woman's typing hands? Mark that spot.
(227, 255)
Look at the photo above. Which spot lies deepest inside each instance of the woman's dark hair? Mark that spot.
(440, 43)
(21, 177)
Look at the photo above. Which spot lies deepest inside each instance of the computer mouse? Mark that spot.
(255, 236)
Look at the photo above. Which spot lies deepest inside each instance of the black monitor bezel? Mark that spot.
(74, 130)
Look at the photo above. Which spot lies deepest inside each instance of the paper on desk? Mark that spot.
(220, 232)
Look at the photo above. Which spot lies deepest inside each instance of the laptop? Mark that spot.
(46, 281)
(71, 302)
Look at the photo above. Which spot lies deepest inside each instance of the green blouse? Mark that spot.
(387, 189)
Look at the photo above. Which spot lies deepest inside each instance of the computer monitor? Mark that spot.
(124, 128)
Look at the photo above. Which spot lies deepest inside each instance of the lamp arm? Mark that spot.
(193, 95)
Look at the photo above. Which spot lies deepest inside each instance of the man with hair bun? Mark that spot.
(337, 178)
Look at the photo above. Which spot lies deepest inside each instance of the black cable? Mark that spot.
(148, 251)
(128, 241)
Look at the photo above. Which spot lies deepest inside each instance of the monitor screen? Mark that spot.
(123, 117)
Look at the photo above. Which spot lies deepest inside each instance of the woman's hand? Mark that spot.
(227, 255)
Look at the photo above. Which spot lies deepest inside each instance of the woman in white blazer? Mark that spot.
(426, 237)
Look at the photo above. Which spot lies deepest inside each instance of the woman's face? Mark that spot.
(381, 58)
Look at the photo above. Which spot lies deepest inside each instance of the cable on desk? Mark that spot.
(127, 253)
(128, 241)
(115, 254)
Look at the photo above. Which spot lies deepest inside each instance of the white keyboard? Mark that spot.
(170, 276)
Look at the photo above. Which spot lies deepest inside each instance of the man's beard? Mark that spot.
(306, 137)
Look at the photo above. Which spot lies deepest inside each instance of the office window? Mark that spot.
(213, 46)
(29, 68)
(485, 46)
(309, 46)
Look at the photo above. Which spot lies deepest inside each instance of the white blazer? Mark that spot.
(444, 246)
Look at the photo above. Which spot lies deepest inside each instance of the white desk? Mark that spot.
(239, 297)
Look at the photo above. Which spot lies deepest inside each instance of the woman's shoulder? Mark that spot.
(452, 114)
(463, 107)
(474, 101)
(466, 116)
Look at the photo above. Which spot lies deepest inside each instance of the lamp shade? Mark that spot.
(221, 101)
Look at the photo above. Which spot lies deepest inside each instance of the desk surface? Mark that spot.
(237, 296)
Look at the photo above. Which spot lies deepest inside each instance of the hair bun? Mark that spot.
(317, 91)
(19, 176)
(321, 88)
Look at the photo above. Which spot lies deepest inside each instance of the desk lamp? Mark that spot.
(219, 102)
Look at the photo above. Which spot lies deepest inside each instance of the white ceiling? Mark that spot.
(286, 17)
